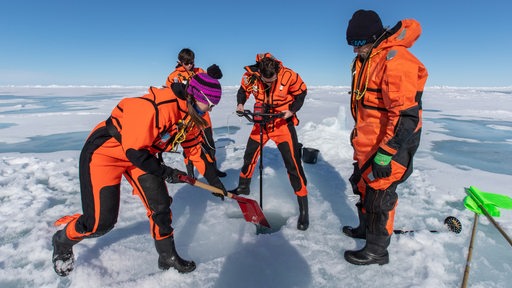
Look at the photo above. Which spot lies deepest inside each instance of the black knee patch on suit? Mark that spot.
(109, 210)
(159, 201)
(378, 204)
(250, 149)
(289, 163)
(377, 201)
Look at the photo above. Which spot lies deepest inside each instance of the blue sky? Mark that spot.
(99, 42)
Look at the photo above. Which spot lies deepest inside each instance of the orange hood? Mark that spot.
(406, 32)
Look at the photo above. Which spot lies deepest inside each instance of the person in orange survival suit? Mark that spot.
(280, 90)
(387, 86)
(128, 143)
(183, 71)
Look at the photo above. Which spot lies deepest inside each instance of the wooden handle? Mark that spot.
(211, 188)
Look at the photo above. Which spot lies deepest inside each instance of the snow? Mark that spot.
(466, 141)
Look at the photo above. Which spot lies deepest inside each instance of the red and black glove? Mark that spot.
(171, 175)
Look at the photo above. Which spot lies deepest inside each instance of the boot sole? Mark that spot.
(64, 264)
(183, 271)
(359, 263)
(350, 259)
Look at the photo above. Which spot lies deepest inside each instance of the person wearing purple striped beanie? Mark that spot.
(130, 143)
(205, 88)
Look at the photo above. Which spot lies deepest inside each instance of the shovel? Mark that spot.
(250, 208)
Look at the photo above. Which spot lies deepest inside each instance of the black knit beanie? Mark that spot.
(364, 27)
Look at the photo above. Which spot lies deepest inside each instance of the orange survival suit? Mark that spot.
(127, 143)
(181, 75)
(387, 88)
(287, 92)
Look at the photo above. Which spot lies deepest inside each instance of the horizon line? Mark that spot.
(224, 86)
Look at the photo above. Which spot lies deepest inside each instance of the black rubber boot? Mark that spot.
(63, 258)
(374, 252)
(244, 187)
(168, 257)
(303, 221)
(359, 231)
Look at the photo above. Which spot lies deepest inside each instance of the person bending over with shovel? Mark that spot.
(277, 90)
(128, 143)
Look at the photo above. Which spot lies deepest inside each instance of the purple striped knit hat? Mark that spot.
(207, 84)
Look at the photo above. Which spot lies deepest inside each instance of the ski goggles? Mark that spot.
(269, 80)
(186, 63)
(357, 43)
(210, 104)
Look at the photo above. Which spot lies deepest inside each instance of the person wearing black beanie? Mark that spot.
(386, 91)
(365, 27)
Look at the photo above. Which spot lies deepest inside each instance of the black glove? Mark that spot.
(355, 178)
(179, 89)
(218, 184)
(190, 169)
(171, 175)
(381, 164)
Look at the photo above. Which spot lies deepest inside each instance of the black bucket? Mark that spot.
(309, 155)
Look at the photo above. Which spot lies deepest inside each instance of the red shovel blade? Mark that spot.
(251, 211)
(250, 208)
